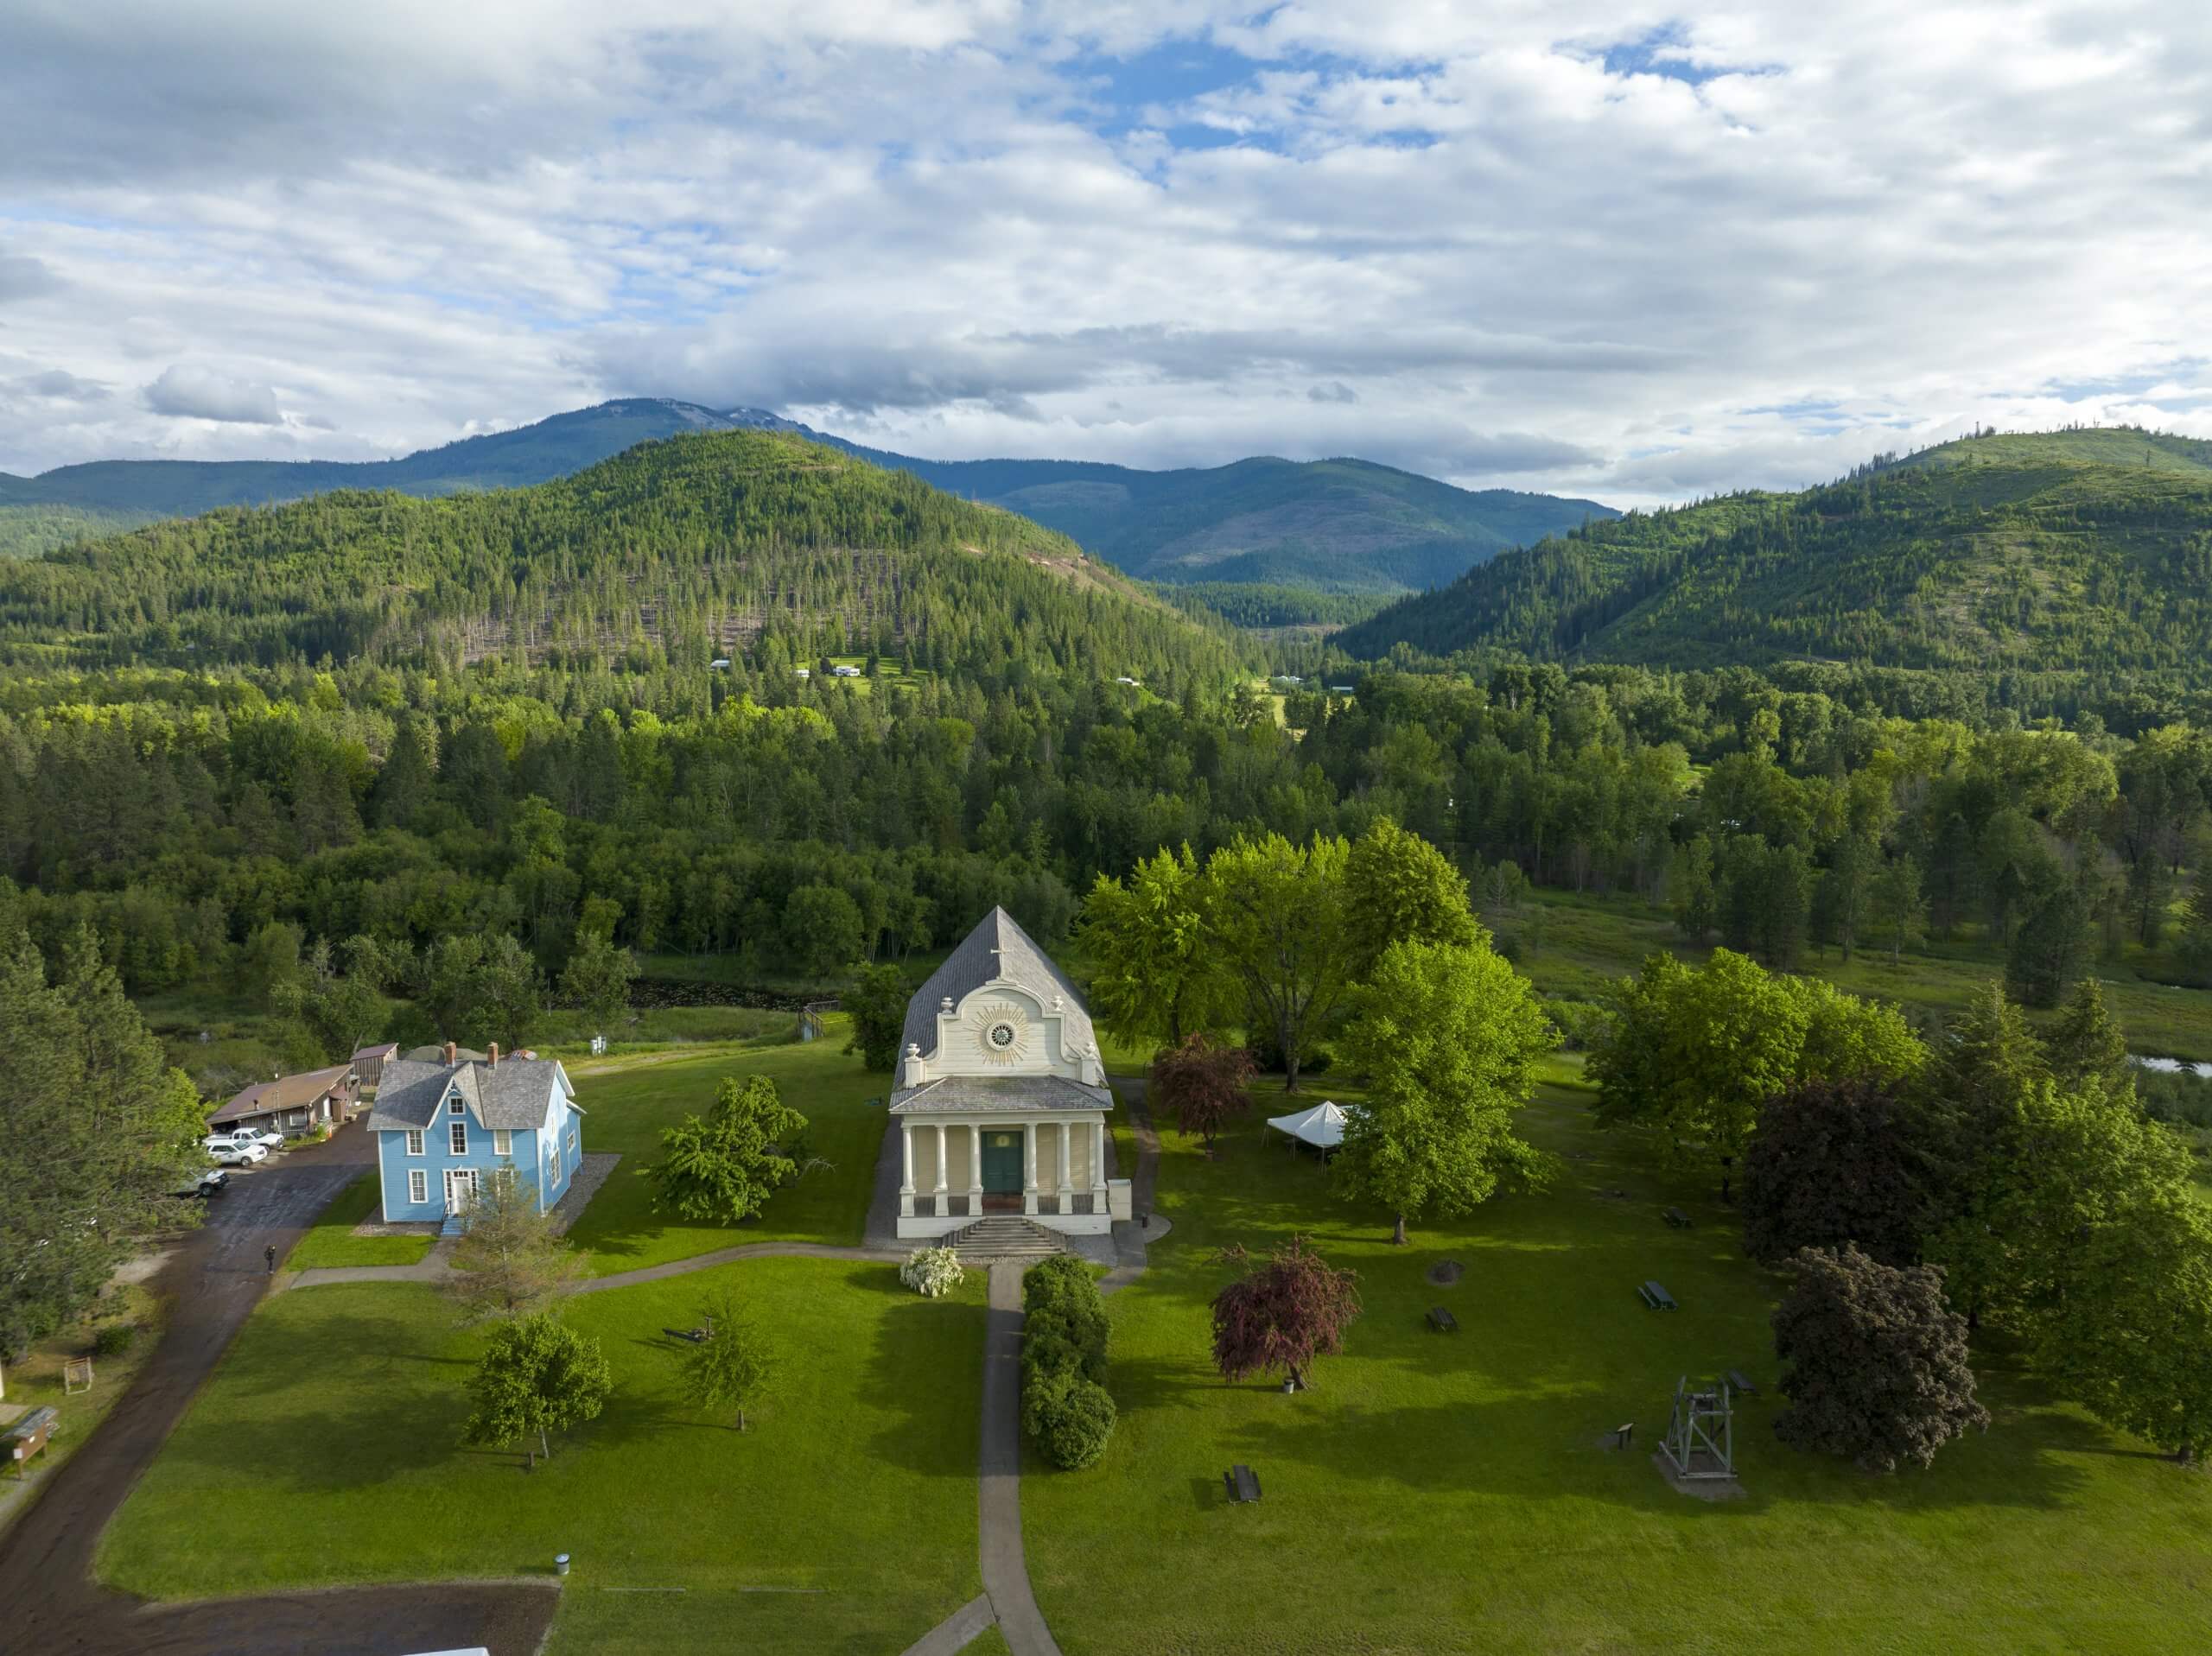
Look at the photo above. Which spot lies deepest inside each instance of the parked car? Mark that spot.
(213, 1183)
(232, 1153)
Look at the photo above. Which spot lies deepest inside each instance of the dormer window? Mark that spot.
(454, 1105)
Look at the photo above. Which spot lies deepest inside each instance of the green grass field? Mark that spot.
(331, 1240)
(1440, 1493)
(629, 1100)
(844, 1520)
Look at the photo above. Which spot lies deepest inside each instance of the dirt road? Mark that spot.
(52, 1605)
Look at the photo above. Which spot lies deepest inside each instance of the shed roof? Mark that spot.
(998, 949)
(382, 1050)
(285, 1093)
(510, 1094)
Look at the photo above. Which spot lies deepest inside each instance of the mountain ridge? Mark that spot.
(1340, 524)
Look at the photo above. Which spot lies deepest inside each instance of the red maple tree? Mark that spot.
(1203, 1081)
(1282, 1313)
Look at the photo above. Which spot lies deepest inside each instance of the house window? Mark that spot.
(418, 1185)
(503, 1142)
(454, 1105)
(458, 1137)
(413, 1143)
(572, 1139)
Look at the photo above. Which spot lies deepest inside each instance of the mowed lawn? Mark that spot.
(331, 1241)
(1449, 1492)
(627, 1101)
(326, 1449)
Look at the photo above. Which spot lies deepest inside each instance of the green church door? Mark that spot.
(1001, 1163)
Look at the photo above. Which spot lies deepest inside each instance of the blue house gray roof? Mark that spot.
(511, 1093)
(997, 949)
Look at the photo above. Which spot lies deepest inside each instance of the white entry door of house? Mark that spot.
(460, 1188)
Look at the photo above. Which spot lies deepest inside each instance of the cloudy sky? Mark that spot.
(1637, 251)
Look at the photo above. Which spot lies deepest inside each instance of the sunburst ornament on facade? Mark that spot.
(1002, 1034)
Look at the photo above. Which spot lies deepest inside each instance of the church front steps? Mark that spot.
(1003, 1236)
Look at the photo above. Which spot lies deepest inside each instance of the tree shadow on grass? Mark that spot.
(933, 1423)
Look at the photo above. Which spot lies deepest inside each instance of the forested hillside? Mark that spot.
(2000, 555)
(757, 545)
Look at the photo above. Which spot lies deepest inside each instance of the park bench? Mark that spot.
(1442, 1321)
(1623, 1433)
(1657, 1297)
(1677, 1218)
(1242, 1482)
(1738, 1379)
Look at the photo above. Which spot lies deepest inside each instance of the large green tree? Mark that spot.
(537, 1376)
(1277, 914)
(96, 1130)
(1447, 1036)
(877, 1004)
(1695, 1053)
(1398, 888)
(724, 1166)
(1155, 975)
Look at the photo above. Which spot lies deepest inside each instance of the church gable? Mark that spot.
(998, 1006)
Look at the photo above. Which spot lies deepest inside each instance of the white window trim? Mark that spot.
(414, 1143)
(457, 1138)
(418, 1186)
(503, 1142)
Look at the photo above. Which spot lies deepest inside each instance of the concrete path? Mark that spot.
(433, 1266)
(956, 1631)
(732, 1255)
(1129, 1239)
(998, 1500)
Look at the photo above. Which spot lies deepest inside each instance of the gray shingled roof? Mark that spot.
(1036, 1094)
(511, 1093)
(998, 947)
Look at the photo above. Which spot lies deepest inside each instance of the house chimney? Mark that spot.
(453, 1052)
(492, 1053)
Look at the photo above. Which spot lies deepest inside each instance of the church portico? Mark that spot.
(1001, 1097)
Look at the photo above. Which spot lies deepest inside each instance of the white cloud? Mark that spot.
(185, 391)
(1610, 248)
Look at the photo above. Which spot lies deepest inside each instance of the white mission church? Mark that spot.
(1001, 1098)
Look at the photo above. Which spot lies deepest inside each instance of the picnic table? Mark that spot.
(1677, 1218)
(1657, 1297)
(1242, 1482)
(1442, 1321)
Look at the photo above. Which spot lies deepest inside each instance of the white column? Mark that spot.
(1098, 1167)
(1067, 1186)
(1029, 1166)
(941, 1203)
(975, 1171)
(907, 1169)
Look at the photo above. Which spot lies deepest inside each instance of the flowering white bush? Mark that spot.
(933, 1271)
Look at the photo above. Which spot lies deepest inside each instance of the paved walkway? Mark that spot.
(998, 1493)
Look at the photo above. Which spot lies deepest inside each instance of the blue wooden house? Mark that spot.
(445, 1128)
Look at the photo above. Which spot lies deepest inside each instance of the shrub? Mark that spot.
(113, 1339)
(1065, 1405)
(1070, 1419)
(934, 1272)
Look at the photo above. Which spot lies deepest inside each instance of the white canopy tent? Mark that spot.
(1322, 1127)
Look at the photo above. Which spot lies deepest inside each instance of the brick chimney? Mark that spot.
(452, 1053)
(491, 1054)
